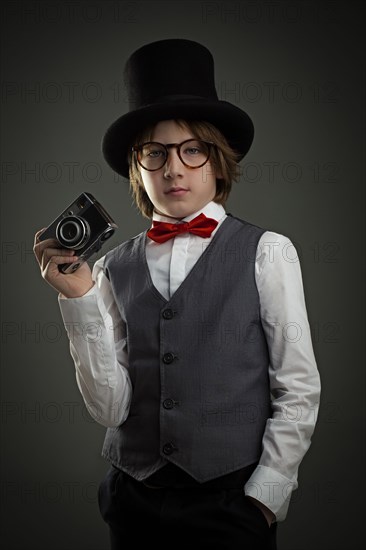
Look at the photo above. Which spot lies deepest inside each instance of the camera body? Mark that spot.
(83, 226)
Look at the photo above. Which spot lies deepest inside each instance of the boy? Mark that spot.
(209, 396)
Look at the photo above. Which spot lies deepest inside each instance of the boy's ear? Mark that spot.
(210, 169)
(217, 171)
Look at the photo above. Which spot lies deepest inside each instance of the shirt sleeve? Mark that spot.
(293, 374)
(98, 348)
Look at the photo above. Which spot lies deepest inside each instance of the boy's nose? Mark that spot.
(173, 166)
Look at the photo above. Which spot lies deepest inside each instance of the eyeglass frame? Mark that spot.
(166, 146)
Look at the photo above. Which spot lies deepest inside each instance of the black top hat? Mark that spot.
(172, 79)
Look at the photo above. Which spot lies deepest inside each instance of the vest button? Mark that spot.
(169, 448)
(168, 403)
(168, 358)
(168, 314)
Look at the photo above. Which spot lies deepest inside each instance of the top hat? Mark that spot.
(172, 79)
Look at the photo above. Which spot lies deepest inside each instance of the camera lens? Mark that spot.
(72, 232)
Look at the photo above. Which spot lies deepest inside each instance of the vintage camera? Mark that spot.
(84, 226)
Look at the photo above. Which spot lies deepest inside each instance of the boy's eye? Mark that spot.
(154, 153)
(192, 150)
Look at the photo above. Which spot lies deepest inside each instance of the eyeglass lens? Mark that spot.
(193, 153)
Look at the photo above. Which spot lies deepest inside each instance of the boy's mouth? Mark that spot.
(176, 191)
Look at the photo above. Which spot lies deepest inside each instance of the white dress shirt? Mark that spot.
(97, 340)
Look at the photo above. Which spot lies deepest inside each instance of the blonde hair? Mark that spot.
(223, 159)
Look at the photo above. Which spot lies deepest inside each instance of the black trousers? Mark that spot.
(203, 517)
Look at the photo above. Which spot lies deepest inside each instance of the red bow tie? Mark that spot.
(201, 226)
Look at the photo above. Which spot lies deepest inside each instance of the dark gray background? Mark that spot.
(297, 68)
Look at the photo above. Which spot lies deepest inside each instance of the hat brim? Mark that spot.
(234, 123)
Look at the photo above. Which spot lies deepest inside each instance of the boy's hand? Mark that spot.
(49, 257)
(268, 514)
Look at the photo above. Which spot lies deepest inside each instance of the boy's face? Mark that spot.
(176, 190)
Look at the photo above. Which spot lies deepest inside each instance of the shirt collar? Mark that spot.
(210, 210)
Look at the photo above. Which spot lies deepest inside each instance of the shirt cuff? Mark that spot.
(84, 316)
(272, 489)
(91, 291)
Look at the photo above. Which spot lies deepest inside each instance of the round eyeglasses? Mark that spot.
(193, 153)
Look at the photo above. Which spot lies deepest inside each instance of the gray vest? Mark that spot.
(198, 362)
